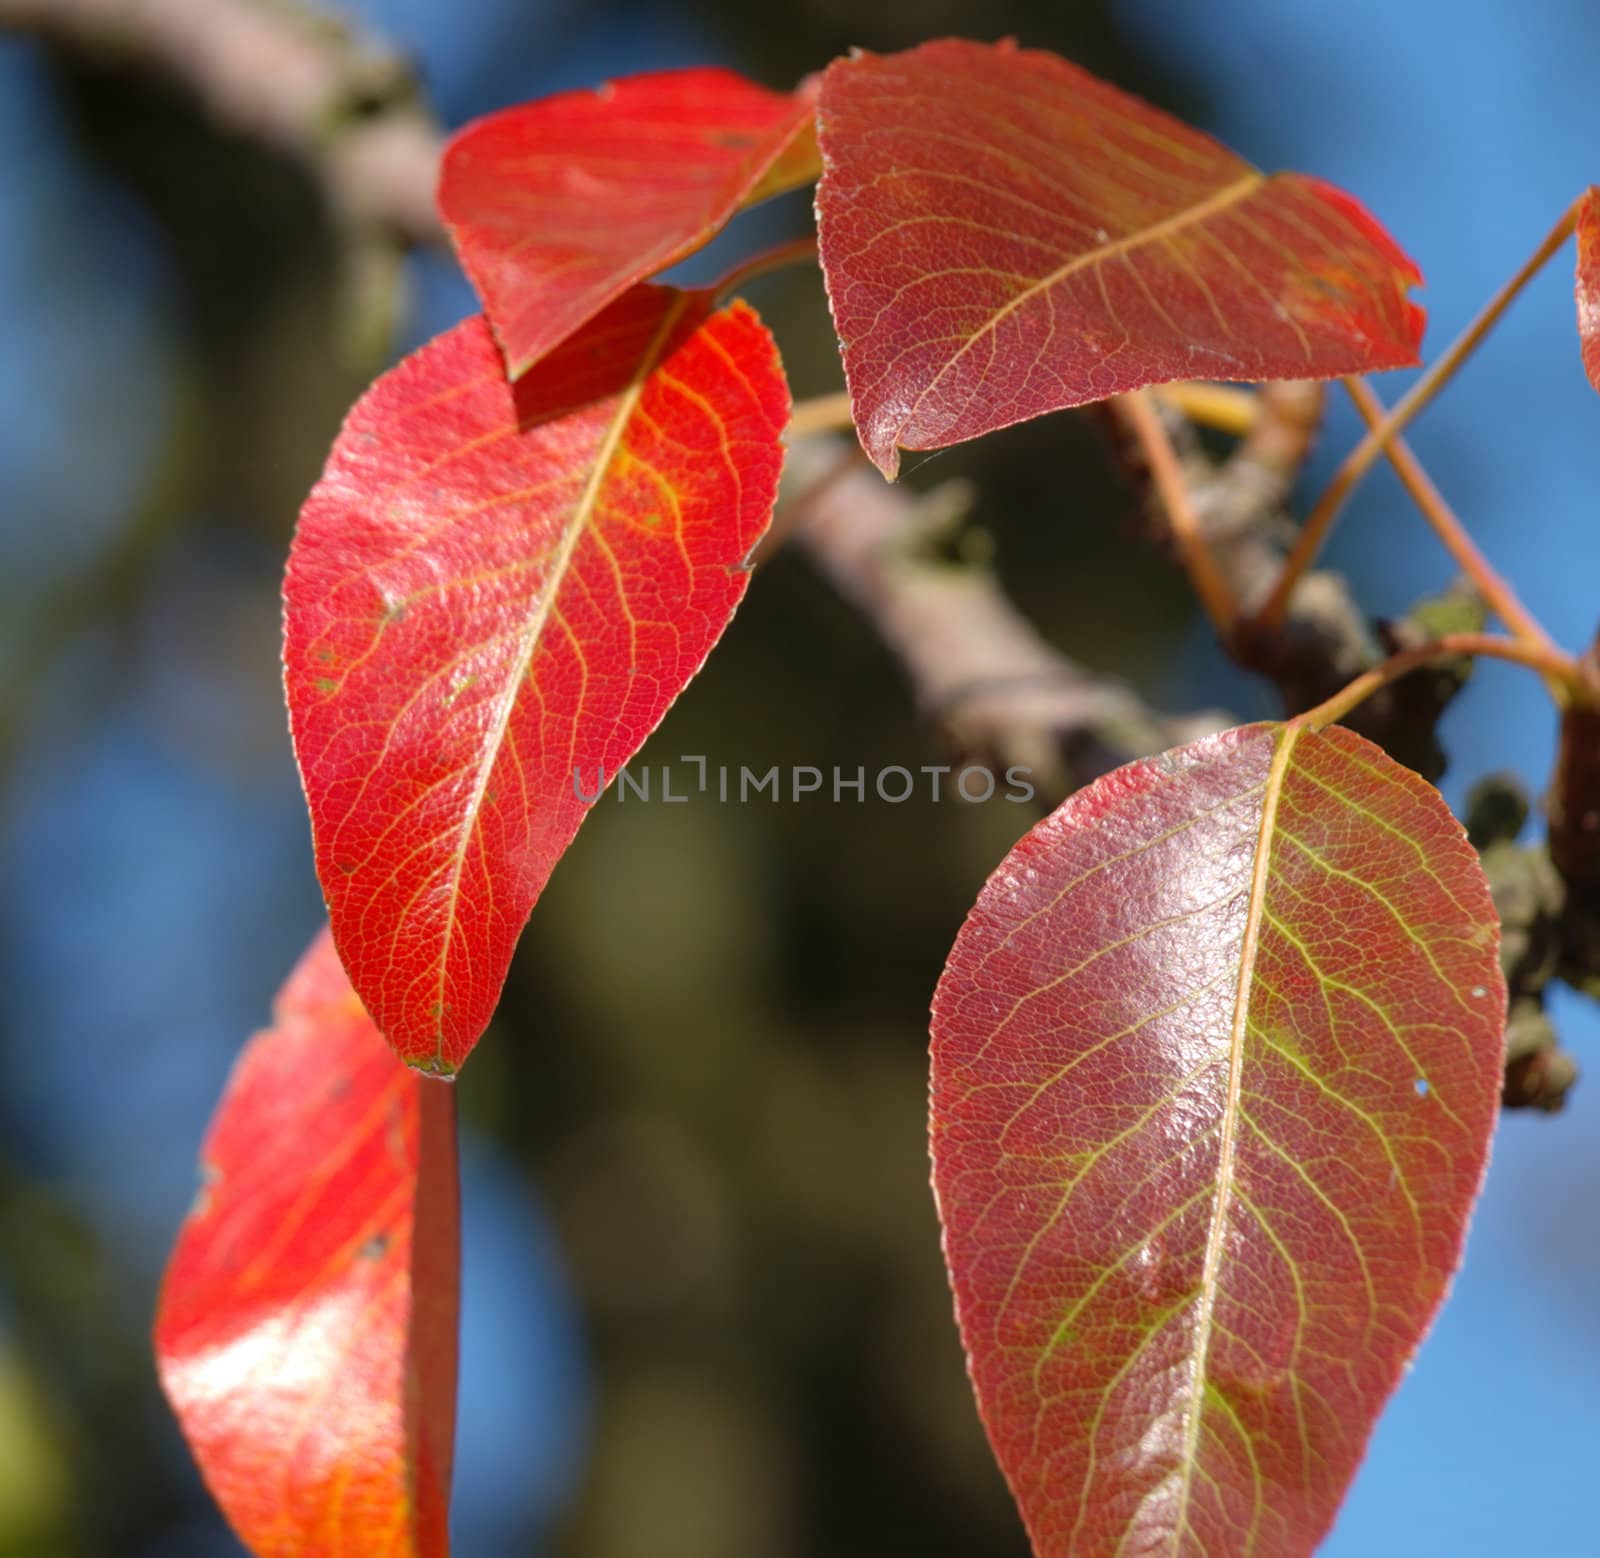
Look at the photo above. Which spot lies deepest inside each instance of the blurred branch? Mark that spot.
(345, 105)
(349, 109)
(978, 669)
(1326, 639)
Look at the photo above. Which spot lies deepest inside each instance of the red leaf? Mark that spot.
(1216, 1060)
(1589, 282)
(558, 207)
(307, 1330)
(1004, 235)
(488, 604)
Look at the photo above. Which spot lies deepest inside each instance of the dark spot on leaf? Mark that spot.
(375, 1248)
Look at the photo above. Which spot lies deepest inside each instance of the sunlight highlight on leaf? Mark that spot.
(1216, 1060)
(493, 598)
(307, 1329)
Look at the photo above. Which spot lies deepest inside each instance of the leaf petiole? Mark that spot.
(797, 251)
(1215, 593)
(1496, 592)
(1382, 436)
(1557, 666)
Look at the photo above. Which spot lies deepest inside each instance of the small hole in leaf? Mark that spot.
(1421, 1085)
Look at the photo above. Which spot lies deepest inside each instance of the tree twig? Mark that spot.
(338, 101)
(350, 111)
(1381, 434)
(977, 667)
(1145, 423)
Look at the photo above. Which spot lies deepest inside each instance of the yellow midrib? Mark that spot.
(1205, 1321)
(1239, 190)
(495, 737)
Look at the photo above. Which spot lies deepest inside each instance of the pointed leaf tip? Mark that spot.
(493, 597)
(1216, 1061)
(1004, 235)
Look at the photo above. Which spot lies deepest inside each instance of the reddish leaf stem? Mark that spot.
(1496, 592)
(1167, 473)
(1556, 665)
(1381, 436)
(797, 251)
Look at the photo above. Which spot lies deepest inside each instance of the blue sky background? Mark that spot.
(1466, 127)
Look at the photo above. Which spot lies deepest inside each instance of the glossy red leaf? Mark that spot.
(490, 603)
(1004, 235)
(1216, 1060)
(558, 207)
(1589, 282)
(307, 1329)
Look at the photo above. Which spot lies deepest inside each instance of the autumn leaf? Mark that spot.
(1216, 1060)
(558, 207)
(306, 1335)
(1003, 235)
(490, 603)
(1589, 282)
